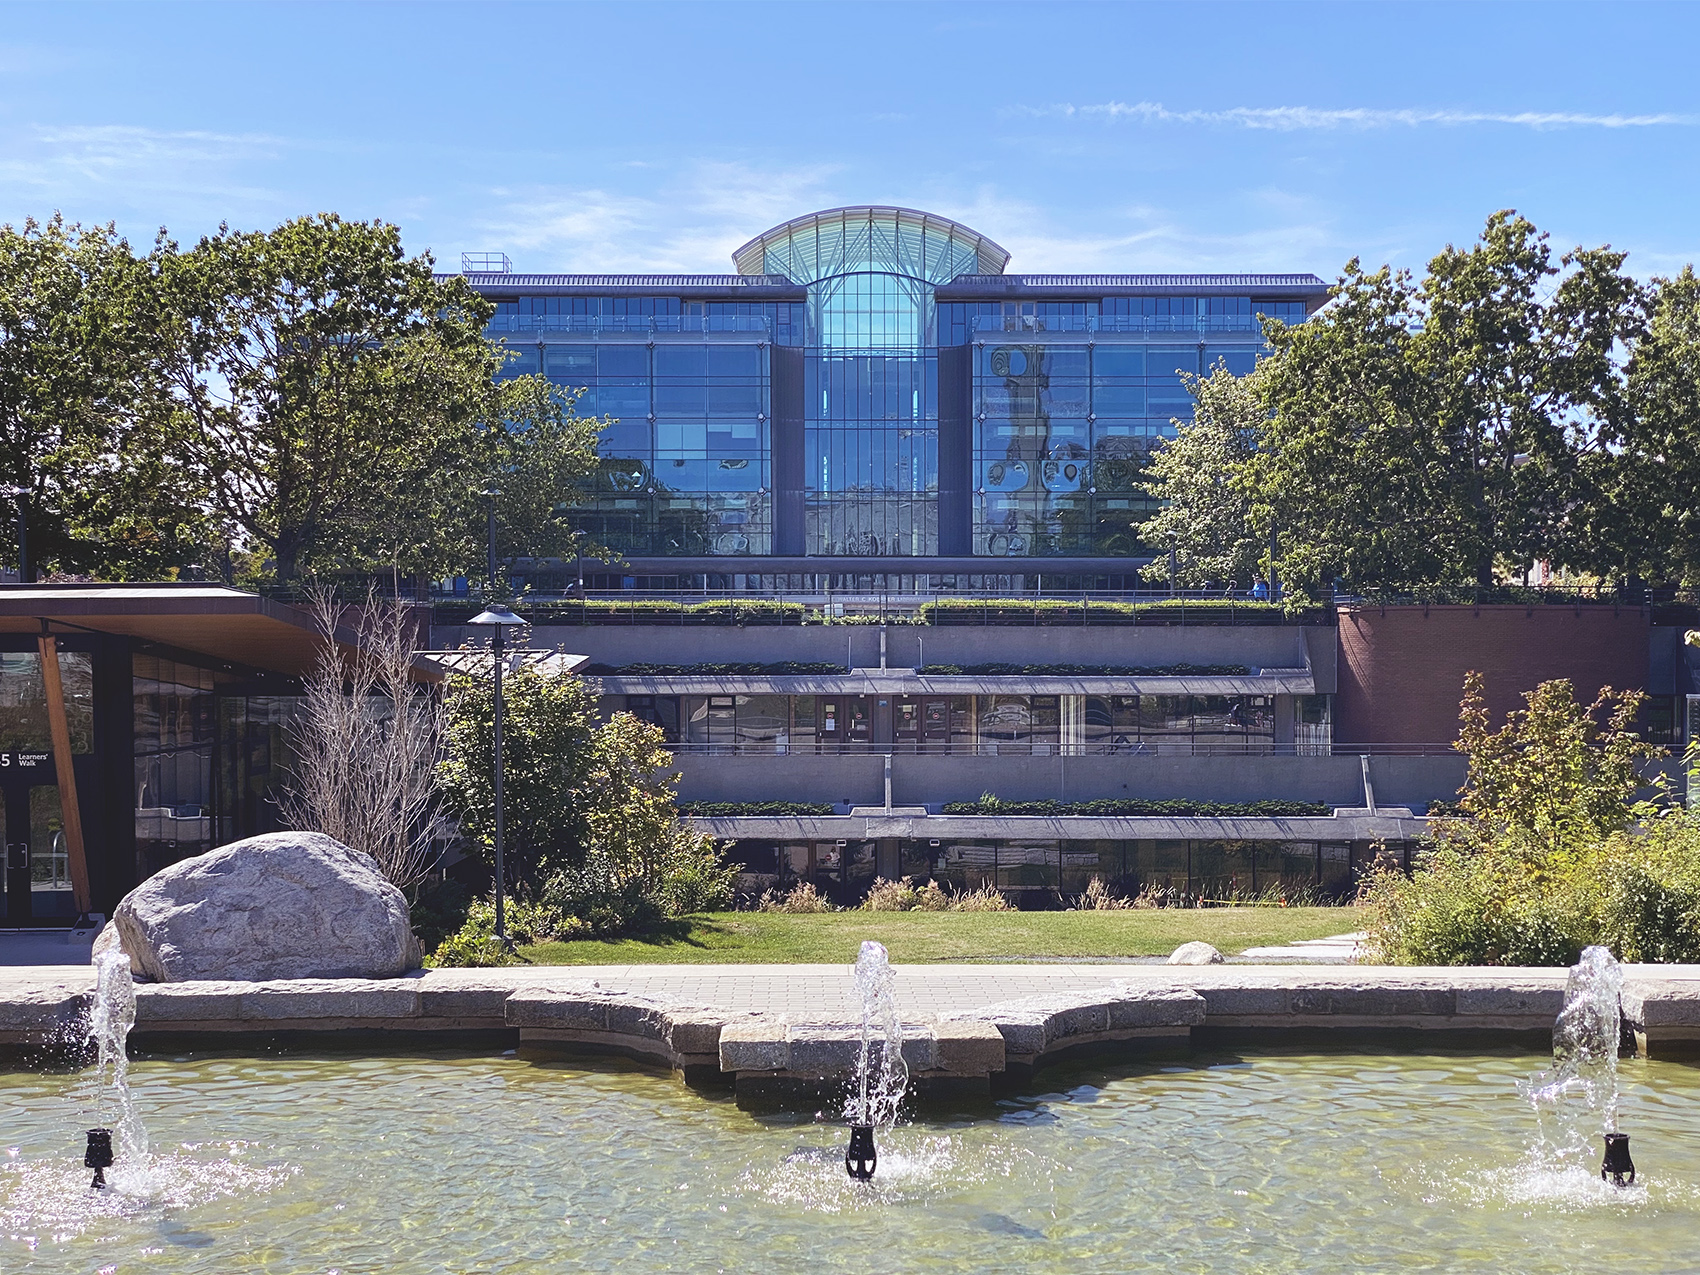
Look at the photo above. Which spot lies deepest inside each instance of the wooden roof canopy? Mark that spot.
(228, 625)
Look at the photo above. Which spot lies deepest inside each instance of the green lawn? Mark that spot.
(778, 938)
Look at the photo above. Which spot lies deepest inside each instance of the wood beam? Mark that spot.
(59, 725)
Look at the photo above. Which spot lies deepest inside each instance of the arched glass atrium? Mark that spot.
(873, 390)
(870, 481)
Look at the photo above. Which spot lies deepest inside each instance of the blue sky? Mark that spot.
(1092, 137)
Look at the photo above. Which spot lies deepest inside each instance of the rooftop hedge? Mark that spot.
(1140, 807)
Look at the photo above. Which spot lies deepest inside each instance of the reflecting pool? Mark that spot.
(1265, 1162)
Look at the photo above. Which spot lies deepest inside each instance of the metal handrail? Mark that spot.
(1030, 749)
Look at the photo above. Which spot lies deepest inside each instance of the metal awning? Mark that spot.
(1270, 681)
(232, 626)
(1390, 823)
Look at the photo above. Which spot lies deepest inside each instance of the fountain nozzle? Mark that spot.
(860, 1157)
(1617, 1165)
(99, 1155)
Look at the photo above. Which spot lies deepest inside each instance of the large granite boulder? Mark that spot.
(285, 905)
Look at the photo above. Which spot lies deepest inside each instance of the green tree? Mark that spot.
(1641, 516)
(1435, 434)
(1556, 771)
(327, 392)
(78, 443)
(1551, 850)
(642, 862)
(538, 453)
(548, 758)
(1205, 514)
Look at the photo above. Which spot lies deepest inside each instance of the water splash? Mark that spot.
(1576, 1101)
(882, 1076)
(110, 1021)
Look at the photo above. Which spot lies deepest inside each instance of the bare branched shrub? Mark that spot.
(367, 739)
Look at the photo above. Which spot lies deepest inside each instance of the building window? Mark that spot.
(173, 726)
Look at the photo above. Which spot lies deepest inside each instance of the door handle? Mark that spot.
(18, 855)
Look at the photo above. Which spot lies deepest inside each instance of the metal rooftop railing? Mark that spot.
(1178, 282)
(485, 263)
(655, 281)
(1249, 323)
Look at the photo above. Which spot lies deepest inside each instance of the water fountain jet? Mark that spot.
(880, 1078)
(1585, 1041)
(99, 1155)
(860, 1158)
(110, 1020)
(1617, 1167)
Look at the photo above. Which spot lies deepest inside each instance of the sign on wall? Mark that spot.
(28, 763)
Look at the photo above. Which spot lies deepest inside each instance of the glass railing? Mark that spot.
(989, 323)
(592, 324)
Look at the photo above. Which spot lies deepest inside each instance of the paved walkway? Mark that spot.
(43, 947)
(1336, 949)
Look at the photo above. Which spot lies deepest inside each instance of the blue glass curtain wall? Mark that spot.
(1027, 436)
(870, 448)
(686, 462)
(1062, 433)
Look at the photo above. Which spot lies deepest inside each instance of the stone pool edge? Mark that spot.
(970, 1049)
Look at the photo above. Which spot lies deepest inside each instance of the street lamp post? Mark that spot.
(499, 619)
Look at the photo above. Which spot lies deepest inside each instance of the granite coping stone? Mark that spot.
(1654, 1004)
(1030, 1025)
(690, 1008)
(276, 1001)
(43, 1011)
(774, 1044)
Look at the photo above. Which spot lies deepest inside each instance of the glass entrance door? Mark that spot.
(38, 866)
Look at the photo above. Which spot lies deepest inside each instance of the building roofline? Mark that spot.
(985, 245)
(1308, 287)
(772, 286)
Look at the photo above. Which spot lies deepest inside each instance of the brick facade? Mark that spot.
(1402, 668)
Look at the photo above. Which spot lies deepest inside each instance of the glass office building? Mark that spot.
(872, 393)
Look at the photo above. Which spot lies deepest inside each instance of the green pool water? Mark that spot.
(1268, 1162)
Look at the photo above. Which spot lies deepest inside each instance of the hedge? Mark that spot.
(781, 669)
(1140, 807)
(731, 809)
(1084, 670)
(1058, 611)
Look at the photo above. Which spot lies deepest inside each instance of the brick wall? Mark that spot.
(1402, 669)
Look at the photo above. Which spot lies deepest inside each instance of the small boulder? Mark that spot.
(1195, 954)
(285, 905)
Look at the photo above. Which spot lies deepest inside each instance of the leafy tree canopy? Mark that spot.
(78, 446)
(1206, 516)
(326, 388)
(1440, 432)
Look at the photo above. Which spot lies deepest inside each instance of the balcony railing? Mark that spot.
(595, 324)
(1030, 749)
(869, 604)
(988, 324)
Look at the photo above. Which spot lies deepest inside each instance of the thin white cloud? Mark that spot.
(1288, 119)
(689, 223)
(102, 172)
(1294, 235)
